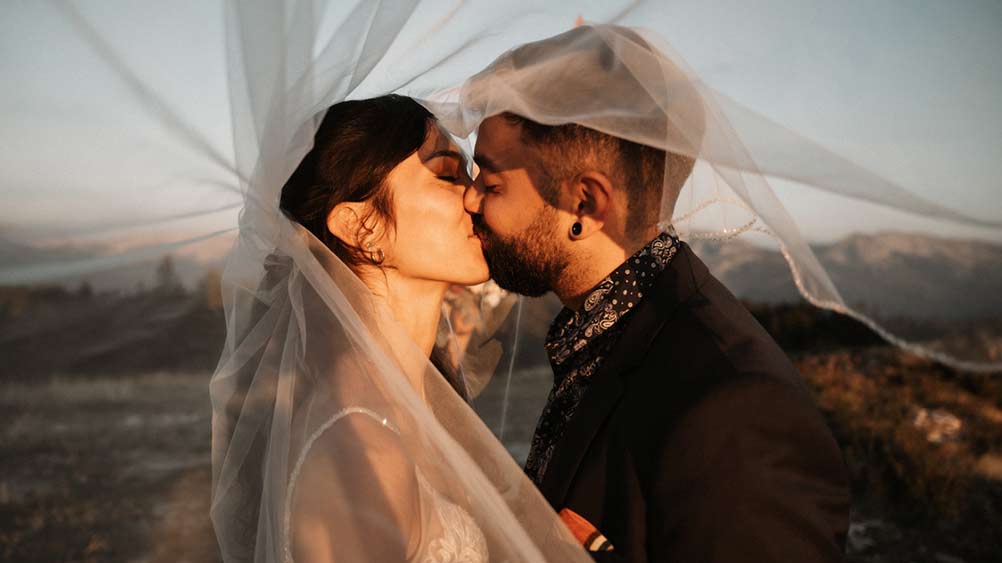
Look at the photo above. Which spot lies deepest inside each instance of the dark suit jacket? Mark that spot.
(697, 441)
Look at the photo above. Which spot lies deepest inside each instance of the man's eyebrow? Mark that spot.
(485, 163)
(444, 152)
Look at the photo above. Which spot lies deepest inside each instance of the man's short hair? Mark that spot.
(644, 172)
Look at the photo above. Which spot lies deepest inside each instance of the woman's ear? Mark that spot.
(345, 223)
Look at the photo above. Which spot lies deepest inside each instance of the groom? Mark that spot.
(676, 429)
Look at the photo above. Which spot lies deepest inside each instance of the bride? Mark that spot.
(383, 189)
(331, 399)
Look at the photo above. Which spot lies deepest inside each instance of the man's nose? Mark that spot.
(473, 197)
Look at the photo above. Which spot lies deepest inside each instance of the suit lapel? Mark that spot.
(676, 284)
(597, 403)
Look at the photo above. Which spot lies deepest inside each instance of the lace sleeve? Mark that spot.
(353, 494)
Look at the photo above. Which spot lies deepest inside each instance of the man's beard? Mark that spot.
(528, 263)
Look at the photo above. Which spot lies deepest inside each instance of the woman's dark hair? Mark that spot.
(357, 145)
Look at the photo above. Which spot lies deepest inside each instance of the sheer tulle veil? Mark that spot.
(629, 83)
(307, 347)
(312, 361)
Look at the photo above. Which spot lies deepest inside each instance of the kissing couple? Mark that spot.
(676, 429)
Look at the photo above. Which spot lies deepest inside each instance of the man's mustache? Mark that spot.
(480, 227)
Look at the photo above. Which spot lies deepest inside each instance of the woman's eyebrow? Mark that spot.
(445, 153)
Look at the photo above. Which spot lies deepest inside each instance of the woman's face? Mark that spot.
(433, 238)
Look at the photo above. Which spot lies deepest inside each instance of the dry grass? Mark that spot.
(106, 470)
(936, 486)
(117, 468)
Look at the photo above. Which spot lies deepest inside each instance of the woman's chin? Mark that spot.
(461, 265)
(476, 278)
(477, 271)
(475, 275)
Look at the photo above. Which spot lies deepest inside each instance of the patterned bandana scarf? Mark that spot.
(578, 342)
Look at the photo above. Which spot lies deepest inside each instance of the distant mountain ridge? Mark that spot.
(898, 274)
(901, 274)
(190, 262)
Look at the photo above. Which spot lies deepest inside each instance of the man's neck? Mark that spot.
(592, 266)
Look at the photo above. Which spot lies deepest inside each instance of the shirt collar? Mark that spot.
(610, 301)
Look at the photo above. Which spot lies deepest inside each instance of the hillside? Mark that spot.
(902, 274)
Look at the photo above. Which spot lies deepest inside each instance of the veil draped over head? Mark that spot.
(322, 405)
(926, 296)
(629, 83)
(215, 108)
(329, 424)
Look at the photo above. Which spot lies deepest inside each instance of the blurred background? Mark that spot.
(104, 439)
(104, 368)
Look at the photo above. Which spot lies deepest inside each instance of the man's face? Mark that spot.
(518, 228)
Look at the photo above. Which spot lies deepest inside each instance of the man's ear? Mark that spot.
(592, 199)
(345, 223)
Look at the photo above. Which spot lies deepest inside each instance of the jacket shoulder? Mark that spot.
(712, 365)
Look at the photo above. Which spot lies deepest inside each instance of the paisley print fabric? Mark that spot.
(578, 342)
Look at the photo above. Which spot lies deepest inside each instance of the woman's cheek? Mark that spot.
(433, 237)
(440, 226)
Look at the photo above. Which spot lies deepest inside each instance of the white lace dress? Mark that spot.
(448, 533)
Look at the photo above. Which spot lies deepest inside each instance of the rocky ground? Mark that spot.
(106, 470)
(117, 469)
(924, 449)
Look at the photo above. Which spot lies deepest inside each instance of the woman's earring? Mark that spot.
(576, 229)
(379, 255)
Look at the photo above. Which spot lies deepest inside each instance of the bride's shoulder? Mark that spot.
(355, 457)
(356, 418)
(360, 450)
(349, 433)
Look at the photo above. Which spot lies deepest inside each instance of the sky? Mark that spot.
(909, 90)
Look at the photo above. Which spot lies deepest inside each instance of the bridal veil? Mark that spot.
(309, 355)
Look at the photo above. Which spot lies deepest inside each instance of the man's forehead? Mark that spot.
(497, 126)
(497, 138)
